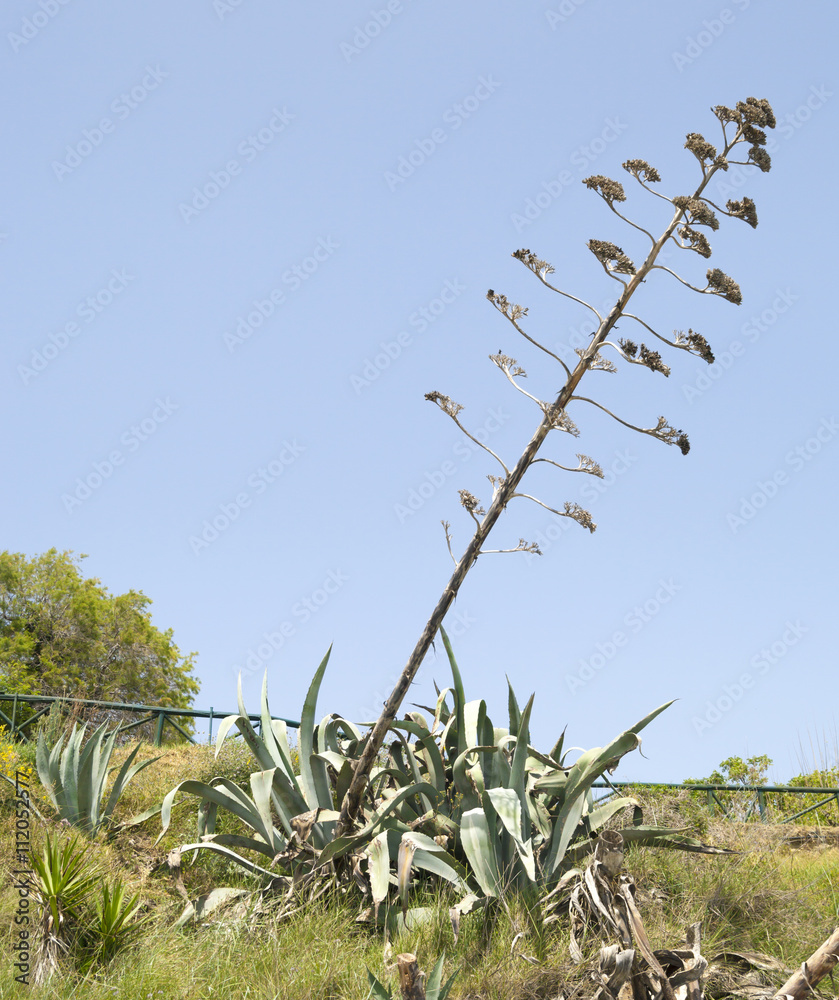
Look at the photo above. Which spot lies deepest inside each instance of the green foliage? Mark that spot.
(75, 923)
(112, 926)
(455, 797)
(75, 778)
(62, 634)
(734, 771)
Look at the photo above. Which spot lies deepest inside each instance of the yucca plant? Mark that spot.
(64, 878)
(75, 778)
(112, 926)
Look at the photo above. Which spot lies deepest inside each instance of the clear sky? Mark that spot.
(241, 240)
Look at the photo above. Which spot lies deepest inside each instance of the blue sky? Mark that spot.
(240, 242)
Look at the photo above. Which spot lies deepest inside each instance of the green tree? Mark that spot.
(62, 634)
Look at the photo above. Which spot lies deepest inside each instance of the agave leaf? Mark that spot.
(377, 990)
(432, 858)
(229, 796)
(513, 709)
(507, 805)
(657, 836)
(518, 773)
(341, 845)
(212, 845)
(433, 989)
(126, 773)
(433, 760)
(459, 697)
(479, 844)
(472, 712)
(585, 771)
(404, 863)
(378, 867)
(209, 901)
(414, 772)
(90, 779)
(313, 777)
(601, 814)
(266, 731)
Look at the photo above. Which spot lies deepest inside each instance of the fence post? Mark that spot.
(711, 801)
(210, 738)
(14, 716)
(158, 736)
(761, 804)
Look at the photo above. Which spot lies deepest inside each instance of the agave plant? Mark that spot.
(455, 797)
(75, 778)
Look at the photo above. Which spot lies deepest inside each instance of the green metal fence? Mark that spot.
(158, 714)
(163, 716)
(759, 803)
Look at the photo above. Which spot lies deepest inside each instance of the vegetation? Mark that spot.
(439, 833)
(742, 125)
(744, 901)
(62, 634)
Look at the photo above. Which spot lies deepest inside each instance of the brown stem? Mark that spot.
(352, 799)
(817, 966)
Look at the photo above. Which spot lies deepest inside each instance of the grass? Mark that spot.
(772, 898)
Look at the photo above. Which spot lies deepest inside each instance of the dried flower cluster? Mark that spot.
(700, 147)
(699, 211)
(721, 284)
(503, 305)
(642, 171)
(607, 253)
(744, 210)
(608, 189)
(695, 343)
(747, 122)
(540, 267)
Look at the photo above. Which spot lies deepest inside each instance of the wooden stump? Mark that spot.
(410, 978)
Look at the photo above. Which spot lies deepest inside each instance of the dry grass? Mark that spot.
(773, 897)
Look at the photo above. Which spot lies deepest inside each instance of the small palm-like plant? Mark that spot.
(75, 778)
(112, 927)
(64, 878)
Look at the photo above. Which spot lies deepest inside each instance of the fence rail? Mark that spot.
(759, 802)
(163, 716)
(158, 713)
